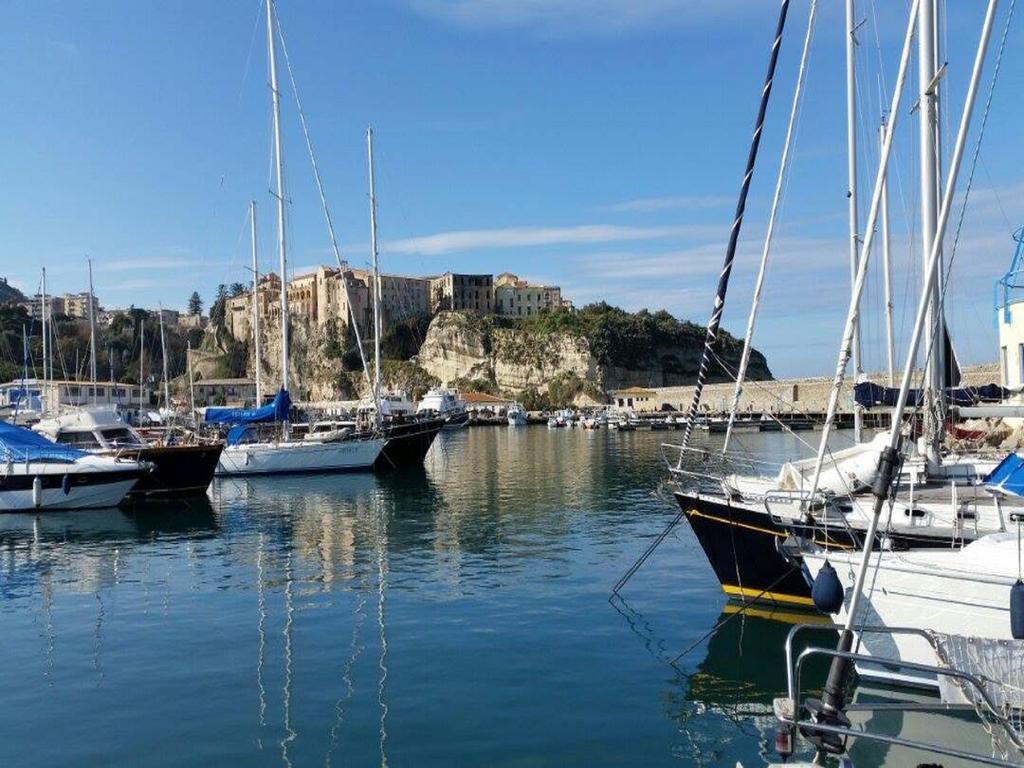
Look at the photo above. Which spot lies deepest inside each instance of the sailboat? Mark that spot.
(248, 451)
(746, 515)
(408, 436)
(954, 616)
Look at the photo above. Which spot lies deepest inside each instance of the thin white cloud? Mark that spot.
(677, 203)
(155, 262)
(133, 285)
(575, 16)
(518, 237)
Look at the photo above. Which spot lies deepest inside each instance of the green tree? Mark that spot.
(218, 309)
(237, 289)
(195, 304)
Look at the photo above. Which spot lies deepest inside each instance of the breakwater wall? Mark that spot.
(806, 396)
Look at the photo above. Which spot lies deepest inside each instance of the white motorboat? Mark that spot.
(516, 415)
(179, 466)
(447, 404)
(39, 475)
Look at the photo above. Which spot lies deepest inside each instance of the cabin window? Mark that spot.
(120, 436)
(83, 440)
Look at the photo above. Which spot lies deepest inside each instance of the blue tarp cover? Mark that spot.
(20, 444)
(869, 395)
(1008, 477)
(277, 410)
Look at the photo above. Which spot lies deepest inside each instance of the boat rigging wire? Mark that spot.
(780, 186)
(730, 253)
(342, 265)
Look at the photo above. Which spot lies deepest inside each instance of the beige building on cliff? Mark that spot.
(517, 298)
(472, 293)
(320, 298)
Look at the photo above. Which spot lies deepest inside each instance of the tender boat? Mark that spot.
(37, 474)
(178, 468)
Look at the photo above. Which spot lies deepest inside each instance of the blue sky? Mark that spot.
(597, 144)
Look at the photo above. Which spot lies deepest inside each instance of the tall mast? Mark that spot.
(46, 335)
(275, 96)
(191, 380)
(255, 301)
(377, 325)
(92, 337)
(142, 361)
(851, 173)
(711, 335)
(927, 124)
(832, 695)
(890, 344)
(163, 353)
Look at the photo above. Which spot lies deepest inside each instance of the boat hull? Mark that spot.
(926, 590)
(84, 489)
(743, 548)
(177, 469)
(407, 444)
(457, 421)
(297, 457)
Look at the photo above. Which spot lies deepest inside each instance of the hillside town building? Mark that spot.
(320, 298)
(517, 298)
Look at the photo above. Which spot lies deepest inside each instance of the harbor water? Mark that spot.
(457, 615)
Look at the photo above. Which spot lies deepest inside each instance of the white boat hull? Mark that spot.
(299, 456)
(955, 592)
(92, 483)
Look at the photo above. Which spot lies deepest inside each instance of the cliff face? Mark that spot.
(569, 356)
(604, 354)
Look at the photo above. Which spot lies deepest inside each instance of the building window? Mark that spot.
(1004, 364)
(1020, 363)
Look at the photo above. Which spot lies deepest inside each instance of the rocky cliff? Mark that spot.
(545, 360)
(602, 347)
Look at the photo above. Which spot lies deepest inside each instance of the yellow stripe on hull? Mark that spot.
(776, 597)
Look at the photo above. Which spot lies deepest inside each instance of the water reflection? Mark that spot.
(438, 616)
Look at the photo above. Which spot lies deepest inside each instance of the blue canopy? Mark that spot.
(869, 395)
(19, 444)
(1008, 476)
(276, 410)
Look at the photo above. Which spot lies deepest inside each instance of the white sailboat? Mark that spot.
(247, 453)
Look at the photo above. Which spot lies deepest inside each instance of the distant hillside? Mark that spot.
(9, 294)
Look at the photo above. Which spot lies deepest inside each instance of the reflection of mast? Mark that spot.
(382, 567)
(289, 734)
(98, 647)
(262, 629)
(346, 677)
